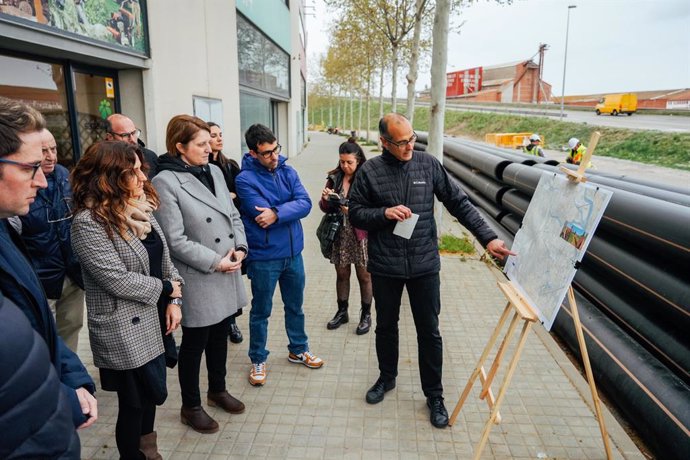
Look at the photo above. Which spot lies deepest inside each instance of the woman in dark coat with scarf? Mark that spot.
(230, 170)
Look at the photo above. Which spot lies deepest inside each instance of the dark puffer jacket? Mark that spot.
(35, 415)
(384, 182)
(49, 243)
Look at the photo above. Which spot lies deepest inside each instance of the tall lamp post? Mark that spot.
(565, 56)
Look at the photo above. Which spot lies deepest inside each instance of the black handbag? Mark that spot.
(328, 230)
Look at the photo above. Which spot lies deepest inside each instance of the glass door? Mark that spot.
(96, 98)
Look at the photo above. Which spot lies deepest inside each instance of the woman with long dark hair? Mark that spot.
(230, 170)
(350, 244)
(133, 291)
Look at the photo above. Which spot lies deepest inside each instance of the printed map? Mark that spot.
(556, 230)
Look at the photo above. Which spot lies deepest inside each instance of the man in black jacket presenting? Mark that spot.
(401, 184)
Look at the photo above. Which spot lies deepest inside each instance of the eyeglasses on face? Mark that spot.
(403, 142)
(35, 166)
(268, 153)
(134, 133)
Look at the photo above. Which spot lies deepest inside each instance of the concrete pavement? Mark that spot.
(304, 413)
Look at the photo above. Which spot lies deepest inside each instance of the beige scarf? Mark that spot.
(138, 216)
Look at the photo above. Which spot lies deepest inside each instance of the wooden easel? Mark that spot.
(524, 313)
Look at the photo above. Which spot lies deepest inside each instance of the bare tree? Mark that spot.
(423, 8)
(439, 61)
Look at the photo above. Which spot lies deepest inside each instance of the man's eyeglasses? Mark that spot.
(123, 136)
(402, 143)
(268, 153)
(35, 166)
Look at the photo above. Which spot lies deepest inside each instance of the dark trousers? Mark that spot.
(133, 421)
(195, 341)
(425, 303)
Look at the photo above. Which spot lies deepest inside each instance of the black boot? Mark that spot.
(340, 317)
(364, 320)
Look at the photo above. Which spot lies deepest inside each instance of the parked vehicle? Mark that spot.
(617, 103)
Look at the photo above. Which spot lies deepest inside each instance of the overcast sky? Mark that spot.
(613, 46)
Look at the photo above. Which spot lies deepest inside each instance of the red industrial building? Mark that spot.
(513, 82)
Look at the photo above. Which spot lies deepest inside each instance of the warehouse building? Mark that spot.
(515, 82)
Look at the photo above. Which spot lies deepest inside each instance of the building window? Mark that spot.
(209, 109)
(74, 100)
(262, 64)
(41, 85)
(255, 109)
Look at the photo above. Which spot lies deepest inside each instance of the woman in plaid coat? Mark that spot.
(133, 291)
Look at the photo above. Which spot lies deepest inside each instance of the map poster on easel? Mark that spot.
(556, 230)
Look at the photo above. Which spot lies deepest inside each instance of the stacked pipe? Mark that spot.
(632, 288)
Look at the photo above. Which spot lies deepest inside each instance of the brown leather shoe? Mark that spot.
(198, 419)
(225, 401)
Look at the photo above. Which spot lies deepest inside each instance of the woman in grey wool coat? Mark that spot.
(207, 244)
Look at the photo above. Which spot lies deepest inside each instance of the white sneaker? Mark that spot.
(307, 358)
(257, 376)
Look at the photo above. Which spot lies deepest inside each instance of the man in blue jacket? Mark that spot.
(35, 416)
(273, 202)
(45, 231)
(21, 178)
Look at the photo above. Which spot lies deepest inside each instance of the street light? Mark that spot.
(565, 56)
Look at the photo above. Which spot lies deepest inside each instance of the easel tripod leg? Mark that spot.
(588, 371)
(480, 364)
(504, 388)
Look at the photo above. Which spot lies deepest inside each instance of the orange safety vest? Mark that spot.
(577, 155)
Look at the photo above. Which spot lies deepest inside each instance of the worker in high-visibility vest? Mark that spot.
(533, 148)
(577, 151)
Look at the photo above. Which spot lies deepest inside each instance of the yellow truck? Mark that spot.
(618, 103)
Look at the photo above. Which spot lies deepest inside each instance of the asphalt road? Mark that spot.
(668, 123)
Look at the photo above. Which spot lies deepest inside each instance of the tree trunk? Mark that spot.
(381, 91)
(352, 110)
(339, 117)
(439, 61)
(394, 76)
(359, 116)
(414, 61)
(368, 115)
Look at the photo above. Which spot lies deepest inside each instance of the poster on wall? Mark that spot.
(117, 22)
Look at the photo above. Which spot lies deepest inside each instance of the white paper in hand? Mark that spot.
(405, 228)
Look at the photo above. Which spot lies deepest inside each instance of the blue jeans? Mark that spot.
(264, 274)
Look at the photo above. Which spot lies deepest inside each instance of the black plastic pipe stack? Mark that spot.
(633, 287)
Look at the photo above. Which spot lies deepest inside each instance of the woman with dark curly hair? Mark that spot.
(133, 291)
(350, 244)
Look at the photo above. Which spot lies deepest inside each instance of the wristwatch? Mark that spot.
(176, 301)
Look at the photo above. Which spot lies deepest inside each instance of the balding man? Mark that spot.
(389, 189)
(21, 178)
(45, 231)
(122, 128)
